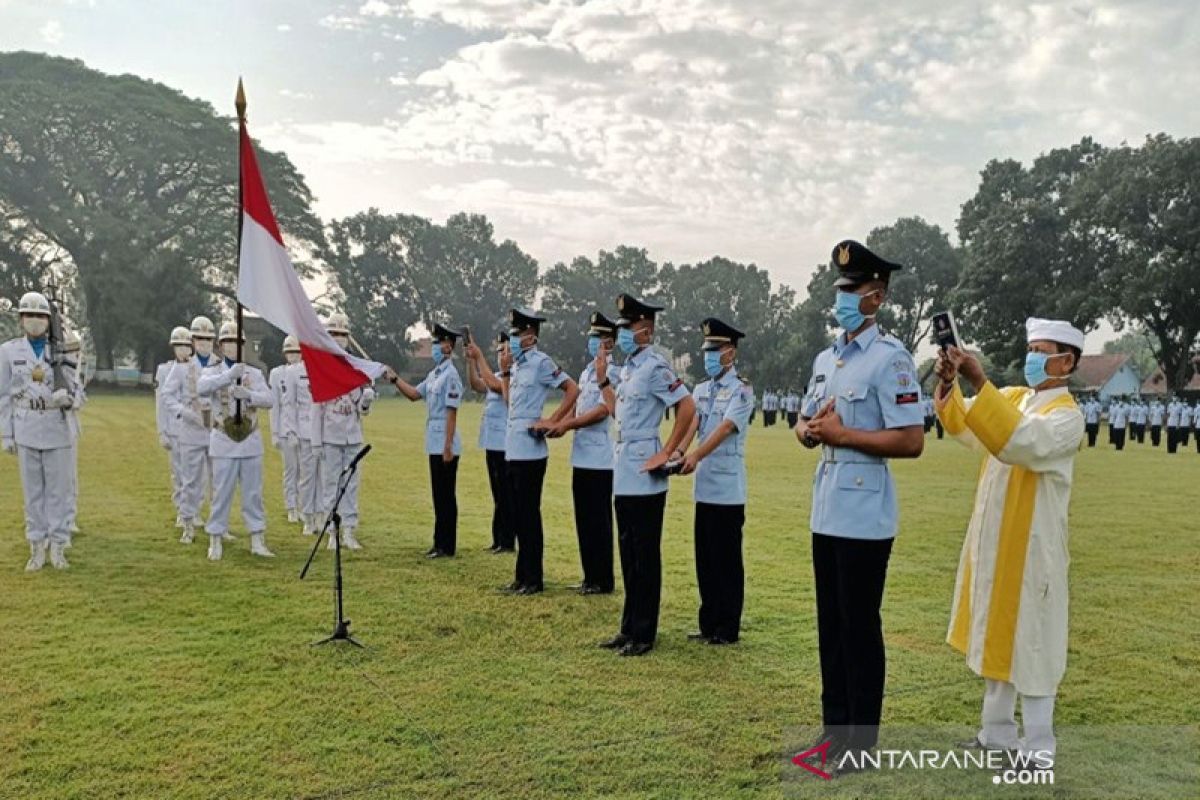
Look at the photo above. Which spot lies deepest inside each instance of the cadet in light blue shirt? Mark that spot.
(442, 392)
(648, 387)
(863, 405)
(592, 458)
(528, 375)
(723, 406)
(493, 429)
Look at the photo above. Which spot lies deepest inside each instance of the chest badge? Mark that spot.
(839, 363)
(38, 373)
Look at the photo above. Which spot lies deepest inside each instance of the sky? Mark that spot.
(762, 130)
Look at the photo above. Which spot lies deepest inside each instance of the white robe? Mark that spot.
(1009, 614)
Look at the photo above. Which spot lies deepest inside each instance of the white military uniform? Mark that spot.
(284, 436)
(309, 484)
(337, 434)
(42, 435)
(166, 434)
(190, 415)
(235, 463)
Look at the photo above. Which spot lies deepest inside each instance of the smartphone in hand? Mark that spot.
(945, 331)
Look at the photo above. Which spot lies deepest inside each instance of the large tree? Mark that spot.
(931, 270)
(133, 187)
(571, 292)
(395, 270)
(1025, 253)
(1140, 208)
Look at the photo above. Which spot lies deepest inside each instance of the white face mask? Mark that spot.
(203, 347)
(229, 350)
(291, 358)
(35, 326)
(342, 340)
(182, 352)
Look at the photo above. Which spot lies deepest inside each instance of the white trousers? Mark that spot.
(289, 446)
(176, 473)
(1000, 724)
(336, 457)
(193, 465)
(47, 482)
(309, 486)
(74, 512)
(229, 474)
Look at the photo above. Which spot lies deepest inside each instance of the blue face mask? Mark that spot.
(593, 346)
(847, 313)
(1035, 368)
(712, 363)
(514, 345)
(625, 340)
(438, 354)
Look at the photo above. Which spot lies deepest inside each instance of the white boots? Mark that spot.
(258, 545)
(292, 515)
(307, 530)
(348, 540)
(58, 558)
(189, 532)
(37, 556)
(214, 547)
(179, 520)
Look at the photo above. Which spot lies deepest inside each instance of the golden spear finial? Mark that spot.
(239, 101)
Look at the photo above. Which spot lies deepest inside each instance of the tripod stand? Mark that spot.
(341, 625)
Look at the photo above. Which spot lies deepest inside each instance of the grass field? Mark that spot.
(147, 672)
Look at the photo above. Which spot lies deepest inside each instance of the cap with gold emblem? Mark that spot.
(717, 334)
(600, 325)
(521, 318)
(856, 264)
(443, 334)
(633, 310)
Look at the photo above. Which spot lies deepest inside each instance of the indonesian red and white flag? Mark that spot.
(269, 286)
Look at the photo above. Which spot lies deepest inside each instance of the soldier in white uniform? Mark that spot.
(1118, 419)
(309, 485)
(283, 427)
(337, 431)
(1157, 414)
(1196, 424)
(1185, 422)
(34, 425)
(1091, 415)
(228, 384)
(73, 357)
(181, 345)
(1173, 415)
(190, 416)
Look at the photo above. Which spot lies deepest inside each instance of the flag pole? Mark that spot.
(239, 103)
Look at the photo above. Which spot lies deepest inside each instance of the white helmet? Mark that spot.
(291, 344)
(34, 303)
(202, 328)
(181, 335)
(338, 323)
(229, 333)
(71, 343)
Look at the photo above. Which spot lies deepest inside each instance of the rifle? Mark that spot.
(57, 362)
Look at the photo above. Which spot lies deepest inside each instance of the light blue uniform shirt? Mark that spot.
(592, 447)
(1091, 412)
(648, 388)
(874, 380)
(721, 476)
(494, 425)
(533, 375)
(441, 389)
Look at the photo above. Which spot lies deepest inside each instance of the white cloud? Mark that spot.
(283, 27)
(51, 32)
(291, 94)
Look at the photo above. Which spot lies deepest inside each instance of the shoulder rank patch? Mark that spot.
(556, 373)
(903, 398)
(819, 379)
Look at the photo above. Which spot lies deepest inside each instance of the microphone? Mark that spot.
(361, 455)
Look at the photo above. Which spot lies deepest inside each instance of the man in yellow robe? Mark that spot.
(1009, 614)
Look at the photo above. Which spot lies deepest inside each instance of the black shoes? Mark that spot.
(636, 649)
(512, 588)
(529, 588)
(615, 643)
(698, 636)
(435, 553)
(591, 588)
(718, 640)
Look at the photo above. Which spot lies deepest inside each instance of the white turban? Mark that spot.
(1053, 330)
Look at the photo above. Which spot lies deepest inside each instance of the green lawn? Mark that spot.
(146, 672)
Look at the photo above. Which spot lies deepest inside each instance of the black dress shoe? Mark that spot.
(492, 548)
(593, 589)
(636, 649)
(615, 643)
(500, 550)
(431, 551)
(512, 588)
(698, 636)
(721, 640)
(438, 554)
(530, 589)
(577, 587)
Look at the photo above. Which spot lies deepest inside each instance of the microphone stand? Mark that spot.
(341, 625)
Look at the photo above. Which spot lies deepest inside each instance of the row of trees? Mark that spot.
(126, 189)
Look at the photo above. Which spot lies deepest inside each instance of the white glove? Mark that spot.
(165, 441)
(61, 398)
(367, 398)
(192, 417)
(275, 442)
(9, 446)
(234, 372)
(240, 392)
(293, 439)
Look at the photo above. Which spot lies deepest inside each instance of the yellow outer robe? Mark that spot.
(1009, 616)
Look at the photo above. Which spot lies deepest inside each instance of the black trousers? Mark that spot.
(592, 490)
(928, 424)
(1198, 440)
(1172, 438)
(768, 418)
(793, 418)
(719, 572)
(937, 421)
(1155, 434)
(503, 532)
(1118, 437)
(639, 537)
(849, 577)
(1183, 435)
(442, 477)
(525, 478)
(1092, 429)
